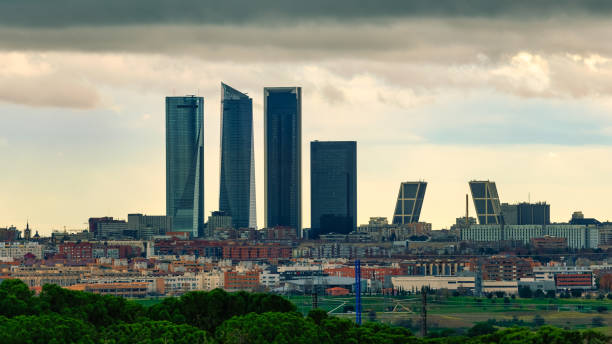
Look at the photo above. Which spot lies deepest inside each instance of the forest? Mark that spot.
(59, 315)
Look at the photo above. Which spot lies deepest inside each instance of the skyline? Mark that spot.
(429, 91)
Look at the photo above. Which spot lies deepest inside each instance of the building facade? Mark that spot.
(333, 186)
(185, 163)
(237, 187)
(409, 202)
(526, 213)
(486, 202)
(283, 156)
(577, 236)
(147, 226)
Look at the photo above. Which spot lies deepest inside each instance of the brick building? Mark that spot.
(234, 280)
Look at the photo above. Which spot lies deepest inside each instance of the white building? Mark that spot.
(269, 279)
(578, 236)
(482, 233)
(415, 283)
(18, 250)
(213, 280)
(181, 284)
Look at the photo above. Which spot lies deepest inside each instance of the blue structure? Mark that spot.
(333, 187)
(283, 157)
(185, 163)
(237, 187)
(358, 291)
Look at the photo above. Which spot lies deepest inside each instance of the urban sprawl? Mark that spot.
(502, 249)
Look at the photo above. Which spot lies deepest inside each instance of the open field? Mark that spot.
(461, 311)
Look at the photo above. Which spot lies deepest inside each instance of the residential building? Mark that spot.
(283, 157)
(247, 280)
(409, 202)
(185, 163)
(237, 187)
(269, 279)
(333, 187)
(16, 250)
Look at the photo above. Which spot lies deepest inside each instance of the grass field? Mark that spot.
(463, 311)
(460, 312)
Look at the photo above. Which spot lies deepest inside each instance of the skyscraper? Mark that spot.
(333, 187)
(185, 163)
(486, 202)
(409, 202)
(283, 156)
(237, 187)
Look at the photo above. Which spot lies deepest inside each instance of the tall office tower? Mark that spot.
(409, 202)
(185, 163)
(237, 188)
(333, 187)
(486, 202)
(283, 157)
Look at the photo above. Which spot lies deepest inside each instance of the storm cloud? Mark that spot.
(67, 13)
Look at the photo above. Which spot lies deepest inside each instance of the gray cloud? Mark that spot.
(449, 41)
(54, 91)
(65, 13)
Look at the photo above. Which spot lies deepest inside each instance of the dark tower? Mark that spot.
(237, 186)
(185, 163)
(283, 156)
(333, 187)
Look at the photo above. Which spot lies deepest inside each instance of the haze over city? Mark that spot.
(446, 92)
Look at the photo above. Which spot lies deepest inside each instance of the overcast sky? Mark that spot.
(518, 92)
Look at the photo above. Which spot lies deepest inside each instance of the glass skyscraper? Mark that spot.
(409, 202)
(283, 156)
(237, 188)
(185, 163)
(486, 202)
(333, 187)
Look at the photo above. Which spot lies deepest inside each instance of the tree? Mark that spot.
(43, 329)
(538, 320)
(551, 294)
(524, 292)
(481, 329)
(155, 331)
(576, 292)
(270, 327)
(317, 315)
(597, 322)
(539, 294)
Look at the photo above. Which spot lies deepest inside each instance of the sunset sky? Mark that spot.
(519, 92)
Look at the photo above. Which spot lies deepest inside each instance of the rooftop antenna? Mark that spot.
(529, 197)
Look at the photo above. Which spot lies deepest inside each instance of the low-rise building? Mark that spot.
(234, 280)
(19, 250)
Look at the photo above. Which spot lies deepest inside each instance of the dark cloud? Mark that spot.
(66, 13)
